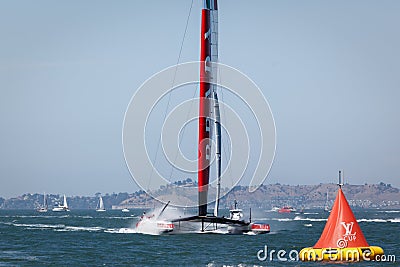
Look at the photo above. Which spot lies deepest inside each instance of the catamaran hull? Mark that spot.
(212, 224)
(150, 226)
(165, 227)
(238, 229)
(260, 228)
(255, 228)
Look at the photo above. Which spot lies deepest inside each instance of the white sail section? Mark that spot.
(214, 42)
(101, 205)
(65, 202)
(214, 35)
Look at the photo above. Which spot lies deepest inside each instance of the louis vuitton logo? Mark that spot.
(348, 227)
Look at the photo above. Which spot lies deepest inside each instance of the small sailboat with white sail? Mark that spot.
(326, 208)
(100, 205)
(63, 207)
(43, 208)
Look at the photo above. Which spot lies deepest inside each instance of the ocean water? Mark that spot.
(87, 238)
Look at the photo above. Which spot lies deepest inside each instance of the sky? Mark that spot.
(329, 70)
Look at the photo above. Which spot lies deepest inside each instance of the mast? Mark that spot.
(340, 184)
(208, 53)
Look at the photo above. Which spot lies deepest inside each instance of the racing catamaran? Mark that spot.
(209, 112)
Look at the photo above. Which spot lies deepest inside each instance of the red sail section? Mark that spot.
(341, 229)
(204, 113)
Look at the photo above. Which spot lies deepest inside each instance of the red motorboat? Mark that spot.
(286, 209)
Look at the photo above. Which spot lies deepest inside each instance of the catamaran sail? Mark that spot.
(208, 54)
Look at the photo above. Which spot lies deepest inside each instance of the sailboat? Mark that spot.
(342, 238)
(44, 207)
(208, 112)
(100, 206)
(326, 208)
(63, 207)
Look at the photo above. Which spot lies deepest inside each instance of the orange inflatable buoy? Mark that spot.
(342, 238)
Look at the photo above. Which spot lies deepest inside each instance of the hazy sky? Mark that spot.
(329, 69)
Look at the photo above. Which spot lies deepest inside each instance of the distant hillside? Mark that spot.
(267, 196)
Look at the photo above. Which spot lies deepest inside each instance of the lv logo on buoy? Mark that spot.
(349, 228)
(348, 236)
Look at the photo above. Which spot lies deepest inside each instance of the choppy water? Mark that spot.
(87, 238)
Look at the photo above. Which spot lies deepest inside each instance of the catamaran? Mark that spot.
(63, 207)
(44, 207)
(208, 112)
(100, 206)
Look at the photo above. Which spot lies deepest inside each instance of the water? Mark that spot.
(87, 238)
